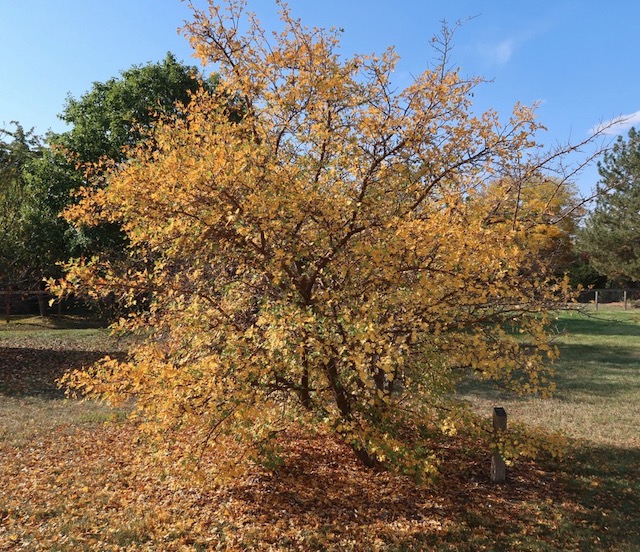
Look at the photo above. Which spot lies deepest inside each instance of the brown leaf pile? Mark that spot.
(83, 489)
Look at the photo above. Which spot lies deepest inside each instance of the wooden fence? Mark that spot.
(627, 298)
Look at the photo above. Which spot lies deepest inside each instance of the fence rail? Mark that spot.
(624, 297)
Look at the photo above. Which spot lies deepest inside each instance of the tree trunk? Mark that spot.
(7, 307)
(305, 397)
(42, 305)
(343, 402)
(367, 459)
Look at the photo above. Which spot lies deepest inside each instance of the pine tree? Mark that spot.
(611, 236)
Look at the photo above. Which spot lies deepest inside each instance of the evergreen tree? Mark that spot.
(611, 236)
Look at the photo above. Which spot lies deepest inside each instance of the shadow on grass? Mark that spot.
(614, 356)
(588, 501)
(602, 489)
(598, 371)
(583, 370)
(65, 322)
(26, 372)
(602, 325)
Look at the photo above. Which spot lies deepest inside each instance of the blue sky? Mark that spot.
(577, 59)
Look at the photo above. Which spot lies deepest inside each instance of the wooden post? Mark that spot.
(596, 300)
(498, 468)
(625, 299)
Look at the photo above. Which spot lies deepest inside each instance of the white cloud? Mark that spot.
(500, 52)
(618, 125)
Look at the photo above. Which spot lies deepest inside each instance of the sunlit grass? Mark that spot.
(597, 378)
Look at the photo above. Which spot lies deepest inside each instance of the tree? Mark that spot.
(548, 210)
(30, 233)
(37, 182)
(116, 113)
(328, 258)
(611, 235)
(111, 116)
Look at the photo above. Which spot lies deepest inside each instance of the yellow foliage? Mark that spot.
(318, 248)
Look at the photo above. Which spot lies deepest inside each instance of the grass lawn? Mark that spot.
(597, 378)
(69, 481)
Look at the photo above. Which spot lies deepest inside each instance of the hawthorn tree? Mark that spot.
(327, 258)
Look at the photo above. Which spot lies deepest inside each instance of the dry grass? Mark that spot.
(35, 352)
(597, 377)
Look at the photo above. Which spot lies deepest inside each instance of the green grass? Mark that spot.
(75, 332)
(597, 376)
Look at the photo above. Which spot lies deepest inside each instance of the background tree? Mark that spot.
(328, 258)
(110, 117)
(31, 235)
(38, 182)
(611, 235)
(582, 275)
(116, 113)
(547, 209)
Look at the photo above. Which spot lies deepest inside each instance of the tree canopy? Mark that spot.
(30, 234)
(611, 235)
(328, 258)
(116, 113)
(38, 177)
